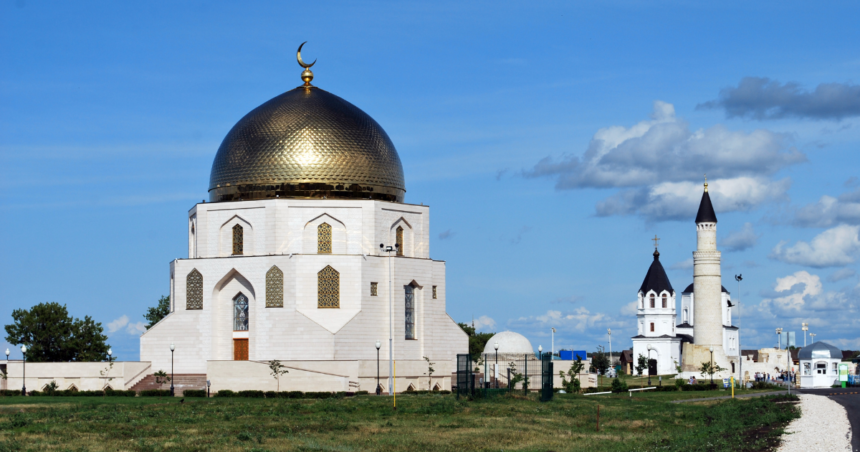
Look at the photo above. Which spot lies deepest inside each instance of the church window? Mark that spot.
(238, 240)
(240, 313)
(399, 240)
(374, 289)
(685, 315)
(410, 312)
(194, 290)
(274, 288)
(434, 292)
(652, 298)
(652, 327)
(328, 288)
(324, 239)
(665, 301)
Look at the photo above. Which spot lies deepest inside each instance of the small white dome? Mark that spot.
(509, 342)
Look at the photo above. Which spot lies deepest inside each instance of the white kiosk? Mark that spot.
(819, 365)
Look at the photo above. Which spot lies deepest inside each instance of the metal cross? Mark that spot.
(655, 239)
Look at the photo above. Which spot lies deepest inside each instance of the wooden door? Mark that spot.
(240, 349)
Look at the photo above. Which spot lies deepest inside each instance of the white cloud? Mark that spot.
(484, 323)
(577, 320)
(841, 274)
(123, 323)
(829, 211)
(741, 239)
(833, 247)
(630, 309)
(683, 265)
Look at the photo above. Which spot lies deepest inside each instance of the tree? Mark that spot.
(477, 341)
(600, 361)
(51, 335)
(160, 311)
(641, 364)
(430, 371)
(710, 369)
(572, 386)
(277, 369)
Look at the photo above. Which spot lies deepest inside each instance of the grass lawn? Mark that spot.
(421, 423)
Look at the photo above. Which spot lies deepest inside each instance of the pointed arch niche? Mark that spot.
(274, 288)
(225, 338)
(324, 234)
(401, 233)
(236, 237)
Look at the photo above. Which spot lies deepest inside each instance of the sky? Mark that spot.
(552, 141)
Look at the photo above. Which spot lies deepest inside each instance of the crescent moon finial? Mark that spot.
(307, 75)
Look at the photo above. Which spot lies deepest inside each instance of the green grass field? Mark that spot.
(644, 422)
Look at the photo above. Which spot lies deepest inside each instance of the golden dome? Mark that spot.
(306, 143)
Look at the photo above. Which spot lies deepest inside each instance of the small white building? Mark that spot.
(819, 363)
(657, 339)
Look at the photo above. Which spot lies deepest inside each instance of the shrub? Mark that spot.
(251, 394)
(225, 393)
(618, 386)
(294, 394)
(155, 393)
(37, 393)
(680, 382)
(115, 393)
(318, 395)
(10, 392)
(271, 394)
(361, 393)
(194, 393)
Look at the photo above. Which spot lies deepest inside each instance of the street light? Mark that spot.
(388, 250)
(24, 381)
(740, 278)
(7, 354)
(779, 338)
(805, 328)
(609, 332)
(496, 370)
(552, 351)
(208, 385)
(650, 347)
(812, 337)
(172, 348)
(712, 366)
(378, 344)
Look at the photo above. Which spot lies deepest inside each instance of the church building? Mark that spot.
(706, 318)
(307, 253)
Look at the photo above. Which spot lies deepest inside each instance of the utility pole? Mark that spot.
(740, 278)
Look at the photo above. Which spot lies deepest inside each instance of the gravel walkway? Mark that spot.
(823, 425)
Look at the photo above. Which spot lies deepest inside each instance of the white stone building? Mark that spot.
(819, 363)
(287, 261)
(706, 319)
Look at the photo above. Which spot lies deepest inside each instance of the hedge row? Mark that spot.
(286, 394)
(155, 393)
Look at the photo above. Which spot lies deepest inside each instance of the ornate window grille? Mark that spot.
(665, 300)
(410, 312)
(328, 288)
(324, 239)
(374, 291)
(434, 292)
(238, 239)
(653, 298)
(399, 240)
(274, 288)
(240, 313)
(194, 290)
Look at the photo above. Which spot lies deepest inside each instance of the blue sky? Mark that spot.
(550, 139)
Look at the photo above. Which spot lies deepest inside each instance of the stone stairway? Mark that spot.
(181, 382)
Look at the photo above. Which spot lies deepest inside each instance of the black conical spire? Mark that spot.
(706, 209)
(656, 278)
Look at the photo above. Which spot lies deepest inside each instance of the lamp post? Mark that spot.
(388, 250)
(24, 381)
(552, 350)
(496, 370)
(805, 328)
(208, 385)
(779, 338)
(7, 356)
(812, 337)
(172, 348)
(740, 278)
(609, 332)
(378, 344)
(650, 347)
(712, 365)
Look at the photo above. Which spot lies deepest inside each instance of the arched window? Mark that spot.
(238, 240)
(652, 327)
(194, 290)
(653, 299)
(274, 288)
(240, 313)
(410, 312)
(665, 300)
(324, 239)
(399, 240)
(328, 288)
(685, 315)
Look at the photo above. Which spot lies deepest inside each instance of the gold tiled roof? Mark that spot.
(307, 143)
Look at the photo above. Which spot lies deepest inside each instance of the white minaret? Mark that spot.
(708, 329)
